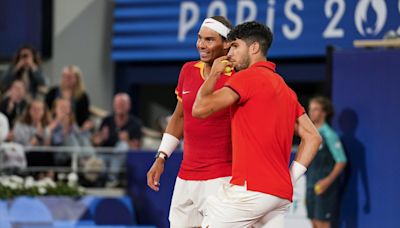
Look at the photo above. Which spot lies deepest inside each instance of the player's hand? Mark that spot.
(321, 186)
(219, 66)
(154, 174)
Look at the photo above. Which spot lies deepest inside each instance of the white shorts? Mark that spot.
(188, 201)
(235, 206)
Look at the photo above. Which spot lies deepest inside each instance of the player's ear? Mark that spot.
(255, 48)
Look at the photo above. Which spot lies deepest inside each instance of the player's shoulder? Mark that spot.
(190, 64)
(240, 75)
(189, 67)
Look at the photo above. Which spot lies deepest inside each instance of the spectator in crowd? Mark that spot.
(4, 127)
(73, 89)
(14, 103)
(120, 127)
(63, 130)
(26, 66)
(322, 177)
(120, 130)
(30, 129)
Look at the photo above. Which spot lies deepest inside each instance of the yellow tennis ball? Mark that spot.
(228, 69)
(317, 188)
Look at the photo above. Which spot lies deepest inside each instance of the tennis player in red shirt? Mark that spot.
(265, 115)
(207, 157)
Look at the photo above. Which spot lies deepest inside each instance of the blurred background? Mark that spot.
(68, 67)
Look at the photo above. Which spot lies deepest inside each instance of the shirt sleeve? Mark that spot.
(299, 110)
(240, 84)
(104, 122)
(335, 147)
(179, 87)
(135, 129)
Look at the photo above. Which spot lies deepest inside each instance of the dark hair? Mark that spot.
(224, 21)
(35, 54)
(326, 105)
(251, 32)
(26, 117)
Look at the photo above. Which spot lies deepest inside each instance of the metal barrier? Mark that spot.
(75, 153)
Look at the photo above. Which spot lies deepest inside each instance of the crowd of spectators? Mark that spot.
(37, 115)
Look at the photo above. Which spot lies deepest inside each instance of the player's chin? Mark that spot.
(205, 59)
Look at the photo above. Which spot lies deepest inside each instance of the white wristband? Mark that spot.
(168, 144)
(296, 171)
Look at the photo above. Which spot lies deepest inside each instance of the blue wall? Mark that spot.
(366, 97)
(151, 207)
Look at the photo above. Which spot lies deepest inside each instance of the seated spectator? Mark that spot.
(63, 130)
(73, 89)
(26, 66)
(30, 129)
(121, 131)
(120, 127)
(14, 103)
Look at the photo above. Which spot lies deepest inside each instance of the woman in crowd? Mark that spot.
(30, 129)
(63, 131)
(72, 88)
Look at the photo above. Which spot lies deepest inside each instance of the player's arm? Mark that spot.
(209, 101)
(175, 124)
(309, 144)
(171, 137)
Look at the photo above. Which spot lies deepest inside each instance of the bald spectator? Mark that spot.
(122, 131)
(120, 127)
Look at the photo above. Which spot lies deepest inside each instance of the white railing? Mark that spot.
(76, 153)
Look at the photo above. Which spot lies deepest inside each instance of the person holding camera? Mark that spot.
(26, 67)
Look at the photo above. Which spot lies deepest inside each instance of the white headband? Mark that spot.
(216, 26)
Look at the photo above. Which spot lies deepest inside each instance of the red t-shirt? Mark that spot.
(207, 142)
(263, 122)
